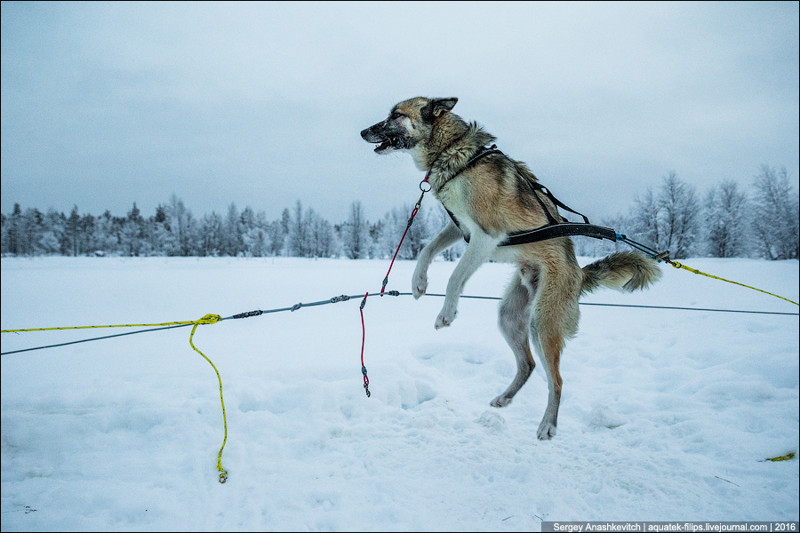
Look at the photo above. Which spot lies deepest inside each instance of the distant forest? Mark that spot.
(725, 221)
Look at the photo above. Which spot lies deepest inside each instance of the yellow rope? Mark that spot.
(223, 475)
(781, 458)
(208, 319)
(694, 271)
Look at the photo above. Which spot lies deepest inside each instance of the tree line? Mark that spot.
(174, 231)
(726, 221)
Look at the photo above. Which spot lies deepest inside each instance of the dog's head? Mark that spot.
(408, 125)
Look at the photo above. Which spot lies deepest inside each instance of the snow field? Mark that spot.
(665, 415)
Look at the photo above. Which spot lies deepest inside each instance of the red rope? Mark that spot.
(424, 188)
(363, 336)
(408, 226)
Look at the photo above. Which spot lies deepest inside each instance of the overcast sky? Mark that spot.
(261, 104)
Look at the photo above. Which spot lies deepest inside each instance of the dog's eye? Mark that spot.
(395, 115)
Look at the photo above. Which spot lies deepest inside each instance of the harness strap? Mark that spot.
(562, 229)
(551, 220)
(549, 231)
(539, 187)
(553, 229)
(482, 152)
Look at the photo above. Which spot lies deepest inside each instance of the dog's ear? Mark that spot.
(440, 105)
(436, 106)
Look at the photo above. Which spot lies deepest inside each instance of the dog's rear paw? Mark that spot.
(547, 430)
(500, 401)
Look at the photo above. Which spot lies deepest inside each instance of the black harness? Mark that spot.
(553, 229)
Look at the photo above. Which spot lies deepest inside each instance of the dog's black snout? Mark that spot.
(373, 134)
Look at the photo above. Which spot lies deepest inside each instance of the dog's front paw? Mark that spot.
(419, 284)
(445, 318)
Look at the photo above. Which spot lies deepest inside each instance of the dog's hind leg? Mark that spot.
(513, 319)
(554, 319)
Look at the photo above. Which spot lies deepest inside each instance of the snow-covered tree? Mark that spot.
(679, 210)
(182, 226)
(211, 235)
(106, 238)
(322, 238)
(297, 241)
(232, 231)
(355, 233)
(255, 239)
(73, 229)
(644, 220)
(669, 221)
(774, 215)
(726, 220)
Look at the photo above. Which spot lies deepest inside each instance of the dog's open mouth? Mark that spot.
(384, 140)
(383, 146)
(393, 142)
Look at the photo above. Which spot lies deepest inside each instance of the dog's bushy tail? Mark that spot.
(623, 271)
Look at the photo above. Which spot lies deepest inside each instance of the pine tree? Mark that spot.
(355, 233)
(232, 232)
(297, 237)
(73, 229)
(132, 233)
(106, 241)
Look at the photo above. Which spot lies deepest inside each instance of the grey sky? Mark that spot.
(261, 104)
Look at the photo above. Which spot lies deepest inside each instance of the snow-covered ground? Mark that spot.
(666, 414)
